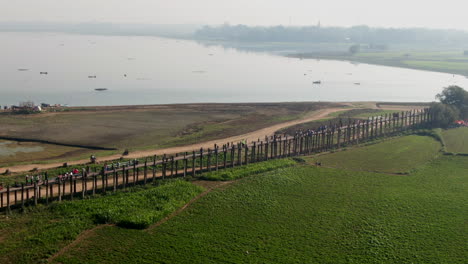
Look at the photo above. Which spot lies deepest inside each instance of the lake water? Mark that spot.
(151, 70)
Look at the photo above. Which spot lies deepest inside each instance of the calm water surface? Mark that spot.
(150, 70)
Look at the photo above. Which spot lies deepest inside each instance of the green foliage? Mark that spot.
(306, 214)
(457, 97)
(39, 232)
(135, 209)
(399, 155)
(443, 115)
(251, 169)
(354, 49)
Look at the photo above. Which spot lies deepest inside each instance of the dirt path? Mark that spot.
(84, 235)
(252, 136)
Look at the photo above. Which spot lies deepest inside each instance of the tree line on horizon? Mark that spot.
(355, 34)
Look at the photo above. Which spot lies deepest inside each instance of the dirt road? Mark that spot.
(268, 131)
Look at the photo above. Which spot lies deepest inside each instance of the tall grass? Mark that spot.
(254, 168)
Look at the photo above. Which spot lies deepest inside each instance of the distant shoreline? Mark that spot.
(169, 106)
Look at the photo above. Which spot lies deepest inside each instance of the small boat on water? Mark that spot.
(23, 69)
(43, 73)
(101, 89)
(92, 76)
(317, 82)
(357, 83)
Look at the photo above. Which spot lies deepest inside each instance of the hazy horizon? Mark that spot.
(449, 14)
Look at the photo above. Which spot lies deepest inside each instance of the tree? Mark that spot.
(354, 49)
(443, 115)
(457, 97)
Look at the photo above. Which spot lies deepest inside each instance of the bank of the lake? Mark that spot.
(452, 62)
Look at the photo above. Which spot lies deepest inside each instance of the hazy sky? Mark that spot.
(386, 13)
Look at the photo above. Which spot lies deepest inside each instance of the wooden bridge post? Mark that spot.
(354, 131)
(283, 143)
(8, 200)
(233, 157)
(134, 172)
(367, 126)
(164, 167)
(280, 146)
(402, 121)
(22, 195)
(323, 140)
(51, 191)
(172, 166)
(39, 194)
(208, 160)
(70, 181)
(185, 164)
(201, 161)
(114, 179)
(145, 172)
(83, 186)
(34, 192)
(239, 154)
(154, 168)
(246, 154)
(176, 164)
(358, 131)
(272, 148)
(260, 152)
(224, 156)
(74, 185)
(8, 211)
(193, 163)
(348, 132)
(47, 191)
(411, 118)
(301, 143)
(216, 149)
(124, 177)
(381, 127)
(102, 173)
(59, 185)
(253, 155)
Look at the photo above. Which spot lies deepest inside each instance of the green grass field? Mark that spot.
(290, 213)
(456, 140)
(34, 236)
(398, 155)
(306, 214)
